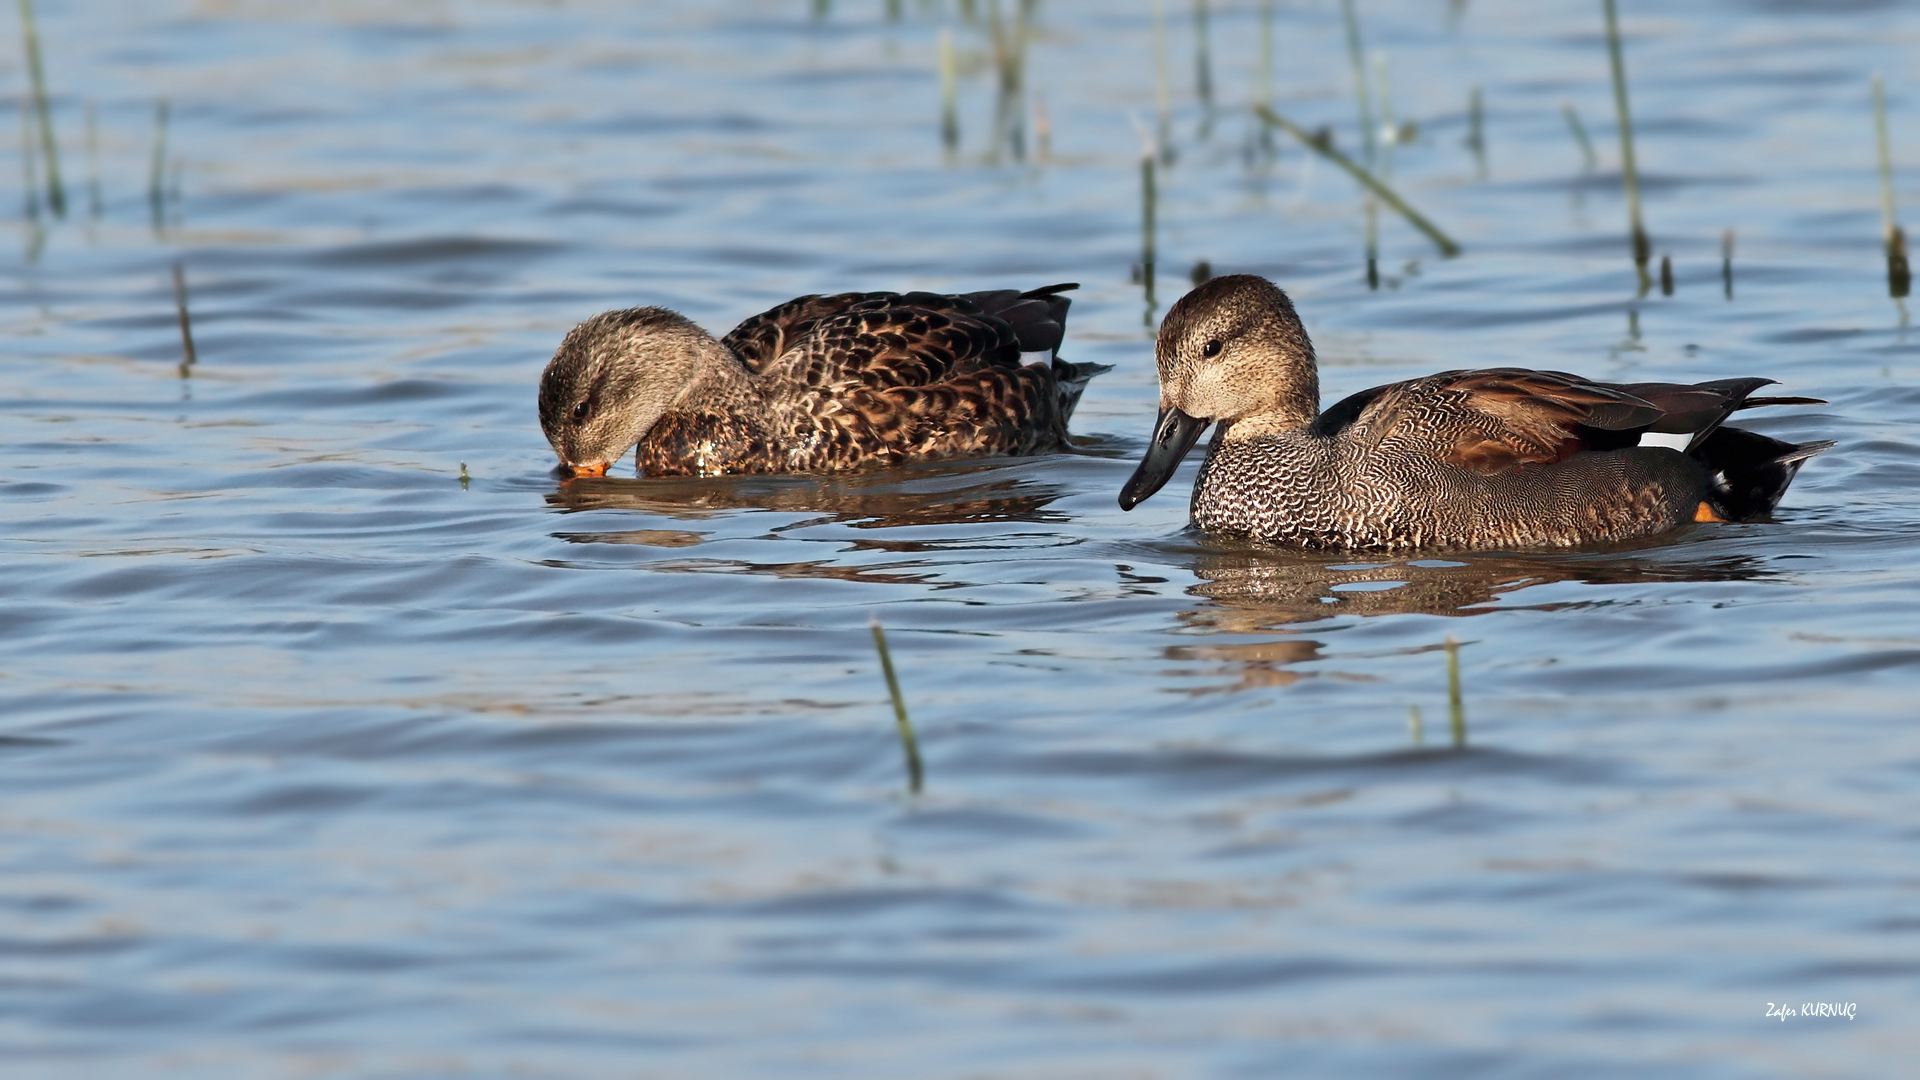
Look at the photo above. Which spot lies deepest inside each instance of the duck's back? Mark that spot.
(883, 378)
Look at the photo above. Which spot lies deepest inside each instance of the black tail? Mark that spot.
(1750, 471)
(1072, 379)
(1038, 317)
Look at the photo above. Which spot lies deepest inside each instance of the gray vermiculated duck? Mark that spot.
(819, 383)
(1498, 458)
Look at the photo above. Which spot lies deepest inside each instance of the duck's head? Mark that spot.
(612, 378)
(1231, 350)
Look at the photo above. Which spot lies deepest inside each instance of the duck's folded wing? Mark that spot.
(1488, 421)
(762, 339)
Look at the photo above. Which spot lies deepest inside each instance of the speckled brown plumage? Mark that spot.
(1498, 458)
(819, 383)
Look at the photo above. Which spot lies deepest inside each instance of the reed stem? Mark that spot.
(188, 356)
(1149, 195)
(1202, 55)
(29, 180)
(157, 178)
(1162, 96)
(1363, 99)
(1887, 222)
(1587, 156)
(1642, 247)
(949, 95)
(1726, 261)
(908, 744)
(94, 203)
(1456, 712)
(56, 194)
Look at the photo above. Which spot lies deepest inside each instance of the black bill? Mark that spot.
(1173, 435)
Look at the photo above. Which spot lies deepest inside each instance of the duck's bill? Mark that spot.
(591, 468)
(1173, 435)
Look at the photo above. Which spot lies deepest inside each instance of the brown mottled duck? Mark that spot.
(820, 383)
(1497, 458)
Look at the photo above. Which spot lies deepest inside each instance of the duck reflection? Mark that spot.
(1256, 588)
(937, 494)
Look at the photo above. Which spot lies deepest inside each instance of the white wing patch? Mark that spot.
(1671, 442)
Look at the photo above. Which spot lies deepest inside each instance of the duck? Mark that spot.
(1497, 458)
(817, 384)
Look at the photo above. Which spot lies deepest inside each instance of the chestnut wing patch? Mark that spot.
(1513, 416)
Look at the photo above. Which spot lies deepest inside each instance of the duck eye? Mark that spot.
(581, 410)
(1211, 348)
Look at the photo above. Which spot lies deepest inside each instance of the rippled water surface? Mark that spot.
(318, 758)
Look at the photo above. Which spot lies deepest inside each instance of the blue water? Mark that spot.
(316, 759)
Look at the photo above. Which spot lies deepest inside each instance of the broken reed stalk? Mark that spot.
(908, 743)
(1580, 136)
(1414, 727)
(1899, 273)
(186, 327)
(56, 194)
(1456, 713)
(1325, 149)
(1666, 275)
(1642, 247)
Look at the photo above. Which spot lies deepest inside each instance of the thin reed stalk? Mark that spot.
(1887, 222)
(1899, 273)
(157, 178)
(949, 94)
(29, 174)
(1726, 261)
(1202, 56)
(908, 744)
(1149, 196)
(1630, 174)
(188, 357)
(1326, 150)
(56, 193)
(1456, 712)
(1162, 95)
(1362, 98)
(1477, 131)
(1587, 157)
(94, 202)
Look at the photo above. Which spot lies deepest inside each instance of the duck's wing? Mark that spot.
(1698, 409)
(1490, 420)
(930, 375)
(765, 337)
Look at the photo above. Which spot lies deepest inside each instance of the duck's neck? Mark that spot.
(1295, 410)
(719, 382)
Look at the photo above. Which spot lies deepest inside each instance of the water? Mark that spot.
(317, 760)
